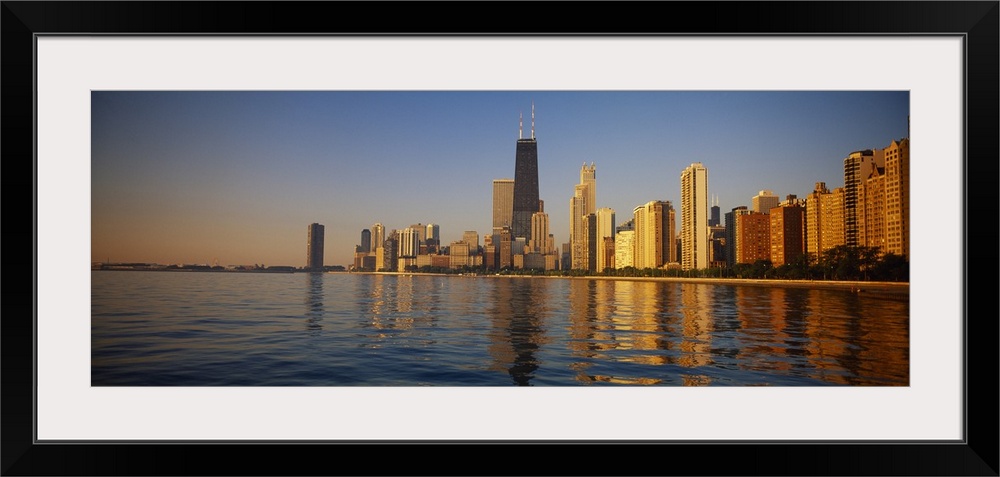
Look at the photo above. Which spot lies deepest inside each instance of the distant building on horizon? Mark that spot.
(433, 233)
(314, 247)
(764, 201)
(471, 237)
(713, 221)
(378, 236)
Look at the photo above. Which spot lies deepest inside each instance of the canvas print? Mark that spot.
(500, 238)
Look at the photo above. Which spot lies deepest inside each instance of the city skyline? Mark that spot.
(199, 177)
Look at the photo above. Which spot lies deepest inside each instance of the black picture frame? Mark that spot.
(977, 454)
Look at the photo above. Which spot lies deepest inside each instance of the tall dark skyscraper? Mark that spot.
(366, 240)
(314, 247)
(525, 181)
(713, 221)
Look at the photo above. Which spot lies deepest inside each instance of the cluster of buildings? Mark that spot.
(650, 238)
(871, 209)
(519, 238)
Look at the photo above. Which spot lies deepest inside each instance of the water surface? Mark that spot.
(339, 329)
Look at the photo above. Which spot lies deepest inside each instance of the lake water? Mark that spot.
(339, 329)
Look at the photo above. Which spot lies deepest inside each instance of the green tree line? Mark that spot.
(839, 263)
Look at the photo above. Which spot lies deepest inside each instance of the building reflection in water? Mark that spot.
(394, 303)
(636, 332)
(389, 304)
(854, 341)
(618, 322)
(517, 333)
(697, 325)
(830, 336)
(314, 303)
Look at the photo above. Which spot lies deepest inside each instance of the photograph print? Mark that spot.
(500, 238)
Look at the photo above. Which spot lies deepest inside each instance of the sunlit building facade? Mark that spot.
(764, 201)
(471, 237)
(858, 167)
(605, 230)
(731, 233)
(577, 237)
(897, 198)
(872, 213)
(753, 237)
(540, 242)
(694, 217)
(503, 202)
(655, 233)
(624, 248)
(787, 233)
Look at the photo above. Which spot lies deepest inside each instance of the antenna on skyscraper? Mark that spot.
(532, 120)
(520, 124)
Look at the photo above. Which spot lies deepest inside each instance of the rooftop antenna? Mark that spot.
(520, 124)
(532, 120)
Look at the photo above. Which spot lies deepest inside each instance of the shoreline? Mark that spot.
(854, 286)
(901, 287)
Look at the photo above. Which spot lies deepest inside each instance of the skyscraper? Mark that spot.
(366, 240)
(590, 242)
(577, 238)
(694, 217)
(583, 203)
(314, 247)
(654, 234)
(378, 236)
(714, 220)
(434, 233)
(731, 233)
(471, 237)
(605, 230)
(764, 201)
(788, 224)
(525, 181)
(588, 178)
(832, 232)
(541, 243)
(409, 242)
(421, 231)
(503, 202)
(753, 237)
(897, 197)
(858, 165)
(814, 218)
(625, 248)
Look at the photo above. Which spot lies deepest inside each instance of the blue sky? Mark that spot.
(236, 177)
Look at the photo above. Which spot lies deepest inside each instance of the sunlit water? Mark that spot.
(337, 329)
